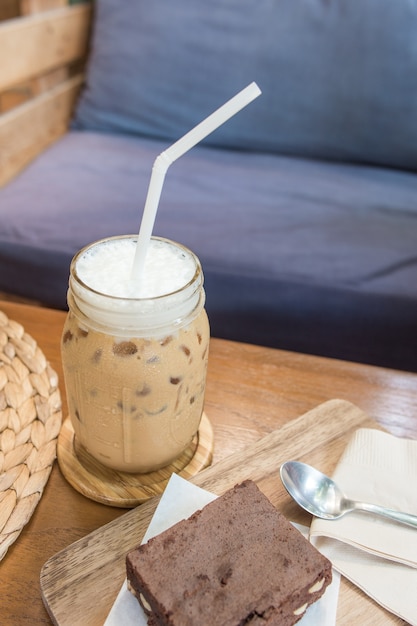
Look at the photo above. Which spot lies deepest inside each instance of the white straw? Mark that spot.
(164, 160)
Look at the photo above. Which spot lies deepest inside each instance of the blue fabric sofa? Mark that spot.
(302, 208)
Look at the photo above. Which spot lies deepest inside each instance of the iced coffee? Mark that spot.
(135, 356)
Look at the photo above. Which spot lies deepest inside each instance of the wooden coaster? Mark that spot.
(123, 489)
(30, 419)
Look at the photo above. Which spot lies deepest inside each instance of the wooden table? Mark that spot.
(251, 391)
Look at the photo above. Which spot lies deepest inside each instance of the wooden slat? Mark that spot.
(35, 6)
(51, 78)
(38, 43)
(28, 129)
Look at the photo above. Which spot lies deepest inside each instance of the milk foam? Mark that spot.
(107, 268)
(167, 296)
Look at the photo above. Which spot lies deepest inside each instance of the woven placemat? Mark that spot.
(30, 421)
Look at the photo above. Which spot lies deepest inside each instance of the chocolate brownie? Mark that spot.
(237, 561)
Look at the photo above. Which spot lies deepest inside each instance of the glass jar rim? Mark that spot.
(73, 271)
(137, 315)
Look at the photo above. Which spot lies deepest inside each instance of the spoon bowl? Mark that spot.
(321, 496)
(313, 491)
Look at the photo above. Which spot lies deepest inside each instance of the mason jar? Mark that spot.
(135, 365)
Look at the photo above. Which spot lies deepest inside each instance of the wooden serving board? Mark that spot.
(80, 583)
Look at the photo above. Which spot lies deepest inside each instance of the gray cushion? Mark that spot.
(339, 77)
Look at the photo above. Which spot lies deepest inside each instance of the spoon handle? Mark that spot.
(397, 516)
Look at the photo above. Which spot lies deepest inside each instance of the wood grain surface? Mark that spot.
(251, 391)
(34, 44)
(71, 580)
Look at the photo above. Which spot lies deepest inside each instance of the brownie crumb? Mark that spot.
(125, 348)
(186, 350)
(67, 336)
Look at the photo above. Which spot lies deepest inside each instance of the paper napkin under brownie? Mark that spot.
(378, 555)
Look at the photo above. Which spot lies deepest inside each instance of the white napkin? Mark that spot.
(180, 500)
(377, 555)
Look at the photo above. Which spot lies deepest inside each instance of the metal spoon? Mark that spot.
(320, 495)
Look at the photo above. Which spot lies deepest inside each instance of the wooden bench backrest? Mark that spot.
(40, 55)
